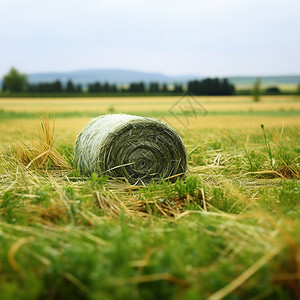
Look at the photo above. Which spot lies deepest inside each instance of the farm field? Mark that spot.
(146, 104)
(228, 230)
(222, 112)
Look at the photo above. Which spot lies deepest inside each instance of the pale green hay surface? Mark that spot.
(125, 146)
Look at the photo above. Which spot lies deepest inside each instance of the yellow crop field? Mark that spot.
(67, 129)
(136, 104)
(73, 113)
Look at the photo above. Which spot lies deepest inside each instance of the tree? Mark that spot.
(211, 86)
(113, 88)
(165, 88)
(154, 87)
(227, 88)
(57, 87)
(194, 87)
(272, 90)
(32, 88)
(78, 88)
(178, 88)
(256, 91)
(95, 87)
(137, 87)
(14, 81)
(70, 88)
(106, 87)
(298, 89)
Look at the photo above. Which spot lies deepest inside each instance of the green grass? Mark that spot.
(230, 229)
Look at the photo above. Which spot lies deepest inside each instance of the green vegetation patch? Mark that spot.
(229, 229)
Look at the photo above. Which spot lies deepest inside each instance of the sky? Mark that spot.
(205, 38)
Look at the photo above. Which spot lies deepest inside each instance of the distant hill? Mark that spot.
(108, 75)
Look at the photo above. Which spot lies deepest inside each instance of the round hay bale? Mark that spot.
(137, 148)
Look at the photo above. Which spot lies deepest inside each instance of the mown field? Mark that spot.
(228, 230)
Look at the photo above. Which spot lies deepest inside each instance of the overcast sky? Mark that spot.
(204, 37)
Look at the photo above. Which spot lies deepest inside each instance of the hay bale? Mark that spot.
(137, 148)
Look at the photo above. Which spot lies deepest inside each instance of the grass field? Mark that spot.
(228, 230)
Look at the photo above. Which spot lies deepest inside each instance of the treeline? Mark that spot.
(105, 88)
(210, 86)
(16, 82)
(54, 87)
(203, 87)
(134, 87)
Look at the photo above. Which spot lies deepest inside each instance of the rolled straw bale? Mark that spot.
(137, 148)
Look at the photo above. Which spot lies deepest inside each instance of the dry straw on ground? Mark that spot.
(40, 153)
(125, 146)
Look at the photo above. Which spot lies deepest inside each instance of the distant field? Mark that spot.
(145, 104)
(18, 116)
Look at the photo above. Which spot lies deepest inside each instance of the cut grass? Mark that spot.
(222, 232)
(41, 154)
